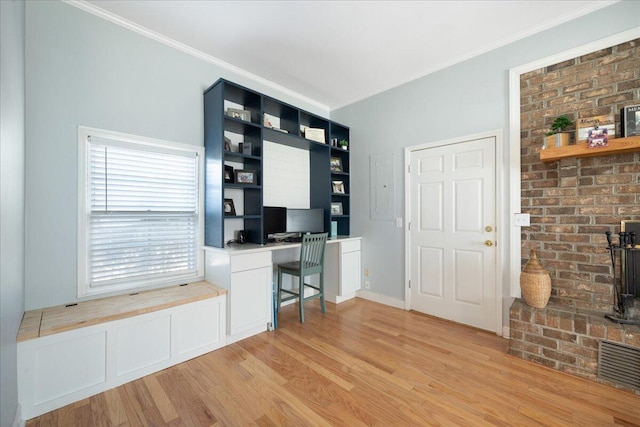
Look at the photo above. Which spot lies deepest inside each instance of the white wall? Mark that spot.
(465, 99)
(84, 70)
(12, 166)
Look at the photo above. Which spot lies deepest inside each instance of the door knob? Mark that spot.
(488, 243)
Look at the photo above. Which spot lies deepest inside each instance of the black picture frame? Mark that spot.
(247, 177)
(229, 207)
(336, 208)
(336, 164)
(227, 144)
(229, 177)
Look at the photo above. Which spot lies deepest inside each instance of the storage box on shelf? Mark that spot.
(273, 121)
(616, 146)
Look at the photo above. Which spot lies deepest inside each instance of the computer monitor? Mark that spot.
(274, 220)
(305, 220)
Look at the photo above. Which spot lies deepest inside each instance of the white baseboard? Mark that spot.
(506, 332)
(18, 421)
(382, 299)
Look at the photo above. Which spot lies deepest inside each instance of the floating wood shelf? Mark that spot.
(616, 146)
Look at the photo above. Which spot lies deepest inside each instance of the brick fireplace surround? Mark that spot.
(572, 204)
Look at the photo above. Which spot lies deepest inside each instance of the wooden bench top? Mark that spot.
(52, 320)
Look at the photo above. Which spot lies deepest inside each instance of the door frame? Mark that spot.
(501, 235)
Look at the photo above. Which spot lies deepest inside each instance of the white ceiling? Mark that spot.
(338, 52)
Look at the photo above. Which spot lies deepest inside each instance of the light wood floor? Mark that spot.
(362, 364)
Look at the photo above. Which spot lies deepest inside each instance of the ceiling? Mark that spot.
(334, 53)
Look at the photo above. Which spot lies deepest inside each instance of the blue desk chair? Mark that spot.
(311, 262)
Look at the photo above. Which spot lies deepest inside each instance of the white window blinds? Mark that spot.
(142, 214)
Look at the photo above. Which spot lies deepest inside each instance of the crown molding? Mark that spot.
(118, 20)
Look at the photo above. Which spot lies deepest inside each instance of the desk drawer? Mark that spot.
(250, 261)
(349, 246)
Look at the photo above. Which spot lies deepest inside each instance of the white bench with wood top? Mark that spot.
(68, 353)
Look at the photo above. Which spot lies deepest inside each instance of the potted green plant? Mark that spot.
(344, 144)
(556, 137)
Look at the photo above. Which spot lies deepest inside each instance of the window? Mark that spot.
(140, 221)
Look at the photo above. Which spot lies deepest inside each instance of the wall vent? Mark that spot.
(619, 364)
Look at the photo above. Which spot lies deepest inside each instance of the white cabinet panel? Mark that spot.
(349, 246)
(250, 261)
(349, 272)
(68, 365)
(198, 327)
(250, 300)
(142, 344)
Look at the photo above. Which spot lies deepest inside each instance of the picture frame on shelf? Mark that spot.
(586, 124)
(598, 137)
(336, 164)
(228, 174)
(229, 208)
(630, 121)
(336, 208)
(246, 177)
(338, 187)
(235, 113)
(227, 144)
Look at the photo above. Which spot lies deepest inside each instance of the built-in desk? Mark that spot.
(247, 272)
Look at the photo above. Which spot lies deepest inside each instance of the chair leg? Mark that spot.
(322, 305)
(301, 297)
(279, 290)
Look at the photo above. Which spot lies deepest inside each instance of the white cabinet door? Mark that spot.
(349, 272)
(249, 301)
(196, 328)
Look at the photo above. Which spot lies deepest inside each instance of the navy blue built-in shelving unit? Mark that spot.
(291, 119)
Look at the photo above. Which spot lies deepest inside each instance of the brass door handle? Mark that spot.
(488, 243)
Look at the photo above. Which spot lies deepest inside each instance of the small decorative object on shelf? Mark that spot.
(336, 164)
(630, 121)
(344, 144)
(535, 282)
(227, 144)
(338, 187)
(597, 137)
(244, 115)
(244, 148)
(229, 207)
(228, 174)
(246, 177)
(556, 137)
(334, 142)
(336, 208)
(584, 125)
(314, 134)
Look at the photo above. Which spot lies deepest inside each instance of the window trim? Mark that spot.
(83, 287)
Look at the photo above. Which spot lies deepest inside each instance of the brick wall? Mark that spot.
(574, 201)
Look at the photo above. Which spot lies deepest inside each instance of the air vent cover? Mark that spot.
(619, 364)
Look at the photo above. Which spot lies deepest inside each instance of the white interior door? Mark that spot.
(452, 234)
